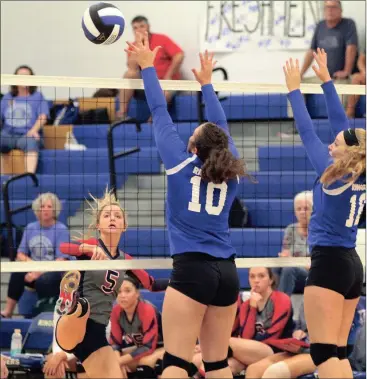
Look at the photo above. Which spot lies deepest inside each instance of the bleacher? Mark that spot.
(281, 169)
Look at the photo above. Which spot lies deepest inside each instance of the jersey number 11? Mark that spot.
(353, 220)
(194, 204)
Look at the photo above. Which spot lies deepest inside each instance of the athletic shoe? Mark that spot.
(68, 297)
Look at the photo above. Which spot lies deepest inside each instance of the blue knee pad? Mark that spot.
(321, 352)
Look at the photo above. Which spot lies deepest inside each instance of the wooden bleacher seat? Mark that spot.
(89, 103)
(13, 163)
(55, 136)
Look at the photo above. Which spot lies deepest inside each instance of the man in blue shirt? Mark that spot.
(338, 37)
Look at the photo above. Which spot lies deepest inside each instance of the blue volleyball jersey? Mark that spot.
(196, 211)
(338, 208)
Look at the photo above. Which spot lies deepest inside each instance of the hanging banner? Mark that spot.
(276, 25)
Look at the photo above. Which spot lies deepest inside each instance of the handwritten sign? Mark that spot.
(238, 25)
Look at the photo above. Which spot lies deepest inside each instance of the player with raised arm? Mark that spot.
(86, 297)
(201, 299)
(335, 279)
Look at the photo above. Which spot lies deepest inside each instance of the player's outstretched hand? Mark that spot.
(322, 71)
(140, 51)
(207, 63)
(292, 75)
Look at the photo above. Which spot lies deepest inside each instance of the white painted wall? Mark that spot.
(47, 36)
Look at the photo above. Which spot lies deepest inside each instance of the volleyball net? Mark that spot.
(88, 147)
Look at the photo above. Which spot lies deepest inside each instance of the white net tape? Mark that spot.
(137, 264)
(178, 85)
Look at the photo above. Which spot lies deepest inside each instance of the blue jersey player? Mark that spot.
(201, 300)
(335, 279)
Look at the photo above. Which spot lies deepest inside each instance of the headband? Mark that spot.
(132, 280)
(350, 137)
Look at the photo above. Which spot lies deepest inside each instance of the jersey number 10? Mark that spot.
(353, 219)
(194, 204)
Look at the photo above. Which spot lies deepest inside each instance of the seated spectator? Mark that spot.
(266, 315)
(40, 241)
(338, 37)
(135, 331)
(359, 79)
(167, 63)
(24, 111)
(293, 279)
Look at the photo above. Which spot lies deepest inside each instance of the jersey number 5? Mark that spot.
(194, 204)
(110, 281)
(353, 219)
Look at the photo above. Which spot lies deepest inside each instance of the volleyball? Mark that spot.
(103, 23)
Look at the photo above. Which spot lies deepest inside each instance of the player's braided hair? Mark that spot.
(219, 164)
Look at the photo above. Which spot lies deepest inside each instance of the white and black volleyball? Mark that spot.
(103, 23)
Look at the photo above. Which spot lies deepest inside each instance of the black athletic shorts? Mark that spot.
(338, 269)
(94, 339)
(206, 279)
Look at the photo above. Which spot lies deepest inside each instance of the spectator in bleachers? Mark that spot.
(135, 331)
(293, 279)
(338, 37)
(266, 315)
(24, 111)
(359, 79)
(41, 240)
(167, 63)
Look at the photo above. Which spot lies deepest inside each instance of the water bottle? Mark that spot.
(16, 343)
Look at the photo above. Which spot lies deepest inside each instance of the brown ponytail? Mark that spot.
(222, 166)
(352, 165)
(219, 164)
